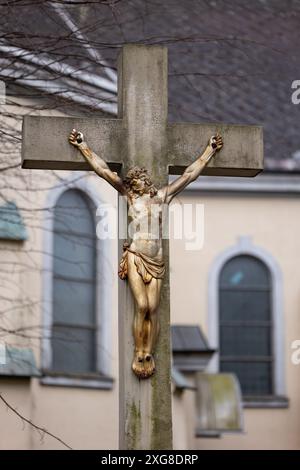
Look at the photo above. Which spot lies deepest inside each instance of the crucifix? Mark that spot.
(136, 153)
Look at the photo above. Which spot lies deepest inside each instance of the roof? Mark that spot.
(188, 338)
(11, 223)
(228, 61)
(191, 351)
(17, 362)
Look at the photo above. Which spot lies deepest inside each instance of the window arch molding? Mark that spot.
(104, 287)
(244, 246)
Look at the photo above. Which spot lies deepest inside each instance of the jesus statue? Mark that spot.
(142, 262)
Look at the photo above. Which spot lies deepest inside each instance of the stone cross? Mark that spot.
(142, 136)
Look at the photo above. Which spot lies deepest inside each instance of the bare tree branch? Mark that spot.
(41, 431)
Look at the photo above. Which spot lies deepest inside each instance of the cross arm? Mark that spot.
(241, 155)
(46, 145)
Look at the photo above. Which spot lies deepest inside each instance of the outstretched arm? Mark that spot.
(97, 163)
(194, 170)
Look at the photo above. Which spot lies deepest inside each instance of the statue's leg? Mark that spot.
(138, 289)
(152, 323)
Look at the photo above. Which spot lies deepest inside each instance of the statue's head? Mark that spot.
(137, 181)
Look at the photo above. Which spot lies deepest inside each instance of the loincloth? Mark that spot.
(146, 266)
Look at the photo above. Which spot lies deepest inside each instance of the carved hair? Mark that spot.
(137, 173)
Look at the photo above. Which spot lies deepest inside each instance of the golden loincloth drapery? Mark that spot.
(147, 267)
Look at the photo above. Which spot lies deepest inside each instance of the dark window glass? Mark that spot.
(74, 258)
(246, 324)
(255, 377)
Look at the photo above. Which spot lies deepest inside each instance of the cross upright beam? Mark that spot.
(141, 136)
(145, 405)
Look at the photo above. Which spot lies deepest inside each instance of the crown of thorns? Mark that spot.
(141, 174)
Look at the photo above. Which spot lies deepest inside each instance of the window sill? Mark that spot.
(92, 381)
(265, 402)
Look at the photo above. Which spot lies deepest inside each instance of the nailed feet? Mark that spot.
(143, 365)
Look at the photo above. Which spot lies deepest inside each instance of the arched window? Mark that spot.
(246, 321)
(77, 288)
(74, 284)
(245, 324)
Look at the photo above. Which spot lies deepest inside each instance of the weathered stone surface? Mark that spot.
(241, 155)
(145, 405)
(45, 142)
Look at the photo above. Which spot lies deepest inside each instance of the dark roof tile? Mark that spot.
(231, 61)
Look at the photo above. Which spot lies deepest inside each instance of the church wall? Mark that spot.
(273, 224)
(83, 418)
(89, 418)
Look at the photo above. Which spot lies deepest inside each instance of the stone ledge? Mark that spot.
(93, 381)
(269, 402)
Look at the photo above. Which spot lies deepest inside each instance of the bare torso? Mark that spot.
(145, 229)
